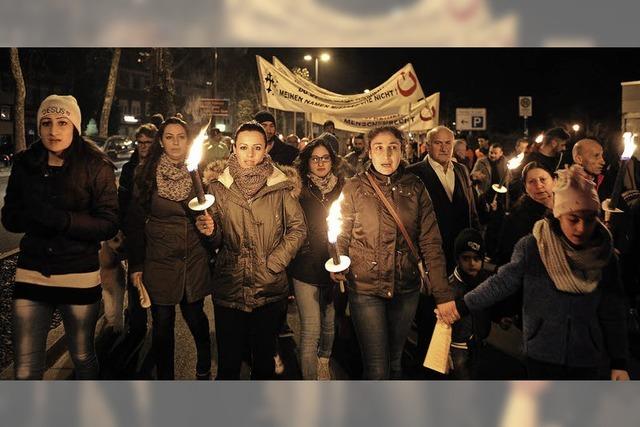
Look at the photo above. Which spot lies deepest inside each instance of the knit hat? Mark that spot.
(65, 106)
(574, 191)
(469, 240)
(264, 116)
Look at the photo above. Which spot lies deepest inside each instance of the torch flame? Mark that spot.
(515, 162)
(629, 145)
(195, 152)
(334, 220)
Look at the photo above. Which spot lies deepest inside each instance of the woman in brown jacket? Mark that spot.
(167, 252)
(259, 227)
(384, 280)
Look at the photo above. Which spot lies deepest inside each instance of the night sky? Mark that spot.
(567, 85)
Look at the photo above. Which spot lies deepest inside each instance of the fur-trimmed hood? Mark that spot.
(218, 171)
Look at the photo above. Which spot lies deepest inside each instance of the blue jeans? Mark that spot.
(317, 316)
(382, 326)
(31, 322)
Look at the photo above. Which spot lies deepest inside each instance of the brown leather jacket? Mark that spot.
(381, 262)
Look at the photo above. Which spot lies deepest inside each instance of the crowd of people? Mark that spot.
(436, 232)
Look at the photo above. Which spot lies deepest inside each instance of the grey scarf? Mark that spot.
(250, 180)
(326, 184)
(173, 180)
(572, 270)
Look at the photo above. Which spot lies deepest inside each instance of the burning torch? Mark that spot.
(611, 205)
(512, 164)
(337, 263)
(202, 201)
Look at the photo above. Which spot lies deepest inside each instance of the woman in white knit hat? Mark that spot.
(62, 195)
(573, 303)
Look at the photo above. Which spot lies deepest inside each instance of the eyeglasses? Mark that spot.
(323, 159)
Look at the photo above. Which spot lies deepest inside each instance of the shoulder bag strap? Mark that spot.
(394, 214)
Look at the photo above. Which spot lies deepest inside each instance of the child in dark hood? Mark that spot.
(470, 329)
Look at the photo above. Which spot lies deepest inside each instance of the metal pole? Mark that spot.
(316, 74)
(215, 72)
(526, 130)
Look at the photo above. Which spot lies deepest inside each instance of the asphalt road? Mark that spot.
(8, 241)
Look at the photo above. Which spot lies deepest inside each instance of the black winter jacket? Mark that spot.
(37, 204)
(308, 265)
(517, 224)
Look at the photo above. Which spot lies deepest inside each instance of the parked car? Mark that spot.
(6, 150)
(117, 147)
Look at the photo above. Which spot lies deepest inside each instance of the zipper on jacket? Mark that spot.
(185, 257)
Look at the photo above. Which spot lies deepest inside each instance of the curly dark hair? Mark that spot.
(302, 162)
(385, 129)
(146, 179)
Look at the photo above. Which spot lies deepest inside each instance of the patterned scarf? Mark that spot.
(326, 184)
(174, 181)
(572, 270)
(250, 180)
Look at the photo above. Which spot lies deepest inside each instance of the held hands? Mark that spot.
(447, 312)
(205, 224)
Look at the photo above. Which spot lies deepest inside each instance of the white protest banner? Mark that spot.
(283, 22)
(424, 115)
(281, 91)
(308, 84)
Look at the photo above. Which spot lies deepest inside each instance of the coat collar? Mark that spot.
(276, 177)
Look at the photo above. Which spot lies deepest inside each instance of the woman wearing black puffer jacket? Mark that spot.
(62, 195)
(312, 285)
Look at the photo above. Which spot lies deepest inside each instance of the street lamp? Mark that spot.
(576, 127)
(324, 57)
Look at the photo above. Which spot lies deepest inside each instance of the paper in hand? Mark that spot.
(438, 354)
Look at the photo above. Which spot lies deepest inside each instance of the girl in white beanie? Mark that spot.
(573, 302)
(62, 195)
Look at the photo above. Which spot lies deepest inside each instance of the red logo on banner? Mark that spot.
(463, 10)
(430, 113)
(409, 91)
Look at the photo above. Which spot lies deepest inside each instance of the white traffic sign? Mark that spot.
(525, 104)
(471, 119)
